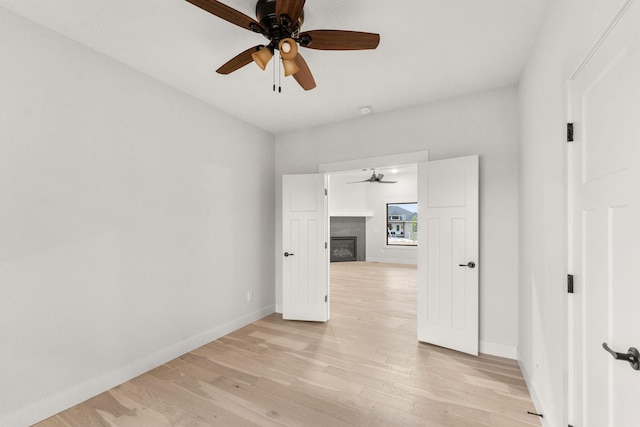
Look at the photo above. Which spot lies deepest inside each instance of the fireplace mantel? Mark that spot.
(366, 214)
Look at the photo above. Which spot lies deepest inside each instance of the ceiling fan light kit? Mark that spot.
(290, 67)
(262, 57)
(288, 48)
(280, 21)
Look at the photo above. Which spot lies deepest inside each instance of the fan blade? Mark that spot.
(238, 61)
(358, 182)
(304, 76)
(291, 8)
(229, 14)
(387, 182)
(339, 40)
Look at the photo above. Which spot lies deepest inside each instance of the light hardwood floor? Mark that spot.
(362, 368)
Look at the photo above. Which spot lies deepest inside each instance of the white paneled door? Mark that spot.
(605, 201)
(305, 264)
(448, 253)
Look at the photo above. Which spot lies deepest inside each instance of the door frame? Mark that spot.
(396, 160)
(568, 299)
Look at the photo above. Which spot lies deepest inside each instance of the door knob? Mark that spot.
(287, 254)
(632, 356)
(470, 265)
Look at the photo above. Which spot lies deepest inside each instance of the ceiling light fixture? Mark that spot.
(262, 57)
(288, 51)
(288, 48)
(290, 67)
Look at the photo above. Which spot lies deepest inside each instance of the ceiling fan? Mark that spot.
(375, 178)
(280, 22)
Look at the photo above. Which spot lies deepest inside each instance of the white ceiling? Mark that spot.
(429, 50)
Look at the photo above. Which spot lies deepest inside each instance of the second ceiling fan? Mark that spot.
(280, 22)
(376, 178)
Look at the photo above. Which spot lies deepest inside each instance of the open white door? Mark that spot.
(606, 228)
(448, 253)
(305, 263)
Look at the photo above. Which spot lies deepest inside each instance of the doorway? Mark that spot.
(359, 208)
(447, 268)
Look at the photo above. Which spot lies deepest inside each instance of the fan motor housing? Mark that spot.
(266, 14)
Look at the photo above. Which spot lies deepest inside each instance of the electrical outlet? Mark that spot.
(249, 296)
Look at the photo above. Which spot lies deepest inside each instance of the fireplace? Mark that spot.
(343, 249)
(351, 238)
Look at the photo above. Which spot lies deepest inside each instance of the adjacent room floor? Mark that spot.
(362, 368)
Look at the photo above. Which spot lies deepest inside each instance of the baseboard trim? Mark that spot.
(46, 408)
(532, 392)
(500, 350)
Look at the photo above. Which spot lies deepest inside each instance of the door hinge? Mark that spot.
(326, 298)
(326, 245)
(569, 132)
(326, 192)
(570, 283)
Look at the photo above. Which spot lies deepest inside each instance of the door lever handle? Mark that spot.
(287, 254)
(470, 265)
(632, 356)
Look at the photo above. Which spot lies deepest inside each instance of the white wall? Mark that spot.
(346, 199)
(378, 195)
(568, 31)
(116, 194)
(484, 124)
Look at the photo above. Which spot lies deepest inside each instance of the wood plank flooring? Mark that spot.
(362, 368)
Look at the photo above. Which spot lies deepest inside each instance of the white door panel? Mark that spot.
(606, 207)
(305, 286)
(447, 287)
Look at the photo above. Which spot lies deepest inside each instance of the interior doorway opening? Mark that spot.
(359, 242)
(448, 292)
(380, 214)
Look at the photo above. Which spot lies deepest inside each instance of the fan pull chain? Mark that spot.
(276, 63)
(279, 74)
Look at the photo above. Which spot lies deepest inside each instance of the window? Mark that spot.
(402, 224)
